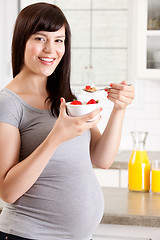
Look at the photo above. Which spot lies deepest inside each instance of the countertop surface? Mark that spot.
(131, 208)
(123, 207)
(122, 158)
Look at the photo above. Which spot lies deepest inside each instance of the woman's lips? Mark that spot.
(47, 61)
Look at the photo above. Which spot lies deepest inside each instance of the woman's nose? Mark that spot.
(49, 47)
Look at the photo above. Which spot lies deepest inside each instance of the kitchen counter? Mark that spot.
(123, 207)
(122, 158)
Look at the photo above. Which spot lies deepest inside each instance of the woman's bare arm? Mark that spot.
(103, 148)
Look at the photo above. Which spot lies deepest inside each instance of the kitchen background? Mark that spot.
(109, 42)
(112, 40)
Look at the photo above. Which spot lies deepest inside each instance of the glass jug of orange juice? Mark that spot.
(139, 165)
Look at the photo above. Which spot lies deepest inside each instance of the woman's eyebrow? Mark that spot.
(39, 33)
(60, 36)
(43, 34)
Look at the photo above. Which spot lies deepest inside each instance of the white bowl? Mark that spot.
(80, 110)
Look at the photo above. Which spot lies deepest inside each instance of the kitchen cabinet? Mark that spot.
(148, 39)
(107, 177)
(124, 178)
(112, 177)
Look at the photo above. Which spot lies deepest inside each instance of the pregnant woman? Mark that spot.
(46, 156)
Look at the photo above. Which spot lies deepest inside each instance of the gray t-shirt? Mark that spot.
(66, 201)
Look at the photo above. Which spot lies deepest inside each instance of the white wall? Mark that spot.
(142, 115)
(8, 13)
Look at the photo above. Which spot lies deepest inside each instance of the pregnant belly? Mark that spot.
(75, 205)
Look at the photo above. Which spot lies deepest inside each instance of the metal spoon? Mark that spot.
(100, 89)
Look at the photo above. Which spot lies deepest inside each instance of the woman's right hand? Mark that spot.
(67, 127)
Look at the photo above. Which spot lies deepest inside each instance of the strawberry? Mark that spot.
(92, 101)
(76, 102)
(87, 87)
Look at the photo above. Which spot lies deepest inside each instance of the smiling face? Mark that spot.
(43, 52)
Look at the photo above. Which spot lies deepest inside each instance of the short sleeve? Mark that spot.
(9, 110)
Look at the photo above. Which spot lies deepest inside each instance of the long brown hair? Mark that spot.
(44, 17)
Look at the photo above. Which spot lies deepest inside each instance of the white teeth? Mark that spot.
(47, 59)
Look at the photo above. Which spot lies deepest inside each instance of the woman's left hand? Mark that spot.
(121, 94)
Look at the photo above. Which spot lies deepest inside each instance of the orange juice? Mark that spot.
(139, 171)
(156, 180)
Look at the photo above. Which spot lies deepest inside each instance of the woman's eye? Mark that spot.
(59, 41)
(40, 39)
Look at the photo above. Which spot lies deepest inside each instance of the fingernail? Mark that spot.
(108, 96)
(100, 109)
(61, 100)
(110, 84)
(106, 89)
